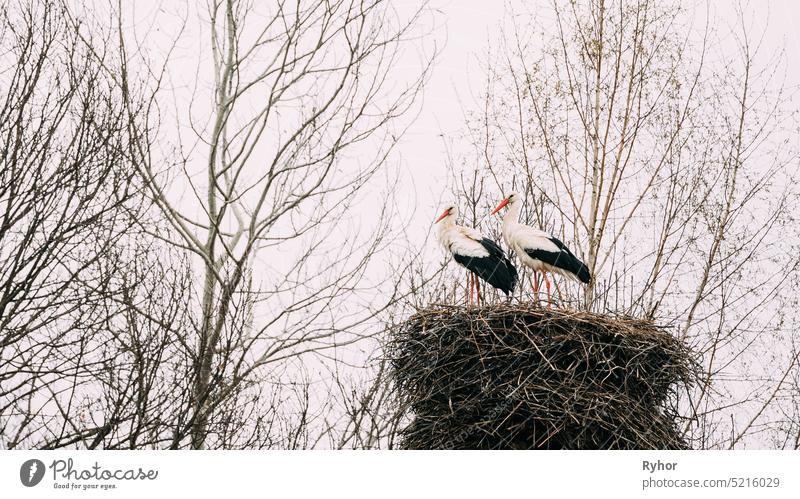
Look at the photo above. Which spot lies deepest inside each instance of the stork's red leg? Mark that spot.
(477, 289)
(467, 295)
(469, 284)
(535, 286)
(471, 288)
(474, 298)
(547, 281)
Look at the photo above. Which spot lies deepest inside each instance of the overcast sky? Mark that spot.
(463, 33)
(468, 27)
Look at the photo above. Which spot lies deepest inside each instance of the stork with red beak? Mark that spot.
(481, 256)
(537, 249)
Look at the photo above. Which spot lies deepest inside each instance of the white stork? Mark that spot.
(481, 256)
(537, 249)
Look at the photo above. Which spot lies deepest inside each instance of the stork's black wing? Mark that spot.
(562, 259)
(496, 269)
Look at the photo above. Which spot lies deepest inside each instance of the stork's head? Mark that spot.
(507, 201)
(450, 213)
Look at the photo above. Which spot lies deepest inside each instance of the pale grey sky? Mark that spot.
(470, 26)
(177, 35)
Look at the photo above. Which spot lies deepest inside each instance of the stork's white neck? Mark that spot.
(446, 223)
(512, 215)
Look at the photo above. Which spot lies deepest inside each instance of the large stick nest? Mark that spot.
(514, 377)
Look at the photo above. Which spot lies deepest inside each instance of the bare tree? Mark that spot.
(305, 113)
(75, 363)
(134, 317)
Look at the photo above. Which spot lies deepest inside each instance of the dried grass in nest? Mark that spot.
(516, 377)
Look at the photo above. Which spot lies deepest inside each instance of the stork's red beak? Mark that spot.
(500, 206)
(442, 216)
